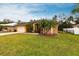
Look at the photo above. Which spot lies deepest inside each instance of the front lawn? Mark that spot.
(37, 45)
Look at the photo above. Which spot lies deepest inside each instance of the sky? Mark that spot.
(29, 11)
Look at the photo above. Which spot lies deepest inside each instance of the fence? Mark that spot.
(74, 30)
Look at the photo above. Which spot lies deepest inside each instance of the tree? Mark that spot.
(65, 24)
(19, 21)
(76, 9)
(54, 22)
(5, 21)
(55, 17)
(1, 27)
(77, 21)
(46, 24)
(70, 18)
(68, 23)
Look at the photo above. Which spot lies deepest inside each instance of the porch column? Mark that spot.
(33, 28)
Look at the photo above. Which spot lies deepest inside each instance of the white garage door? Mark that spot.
(21, 29)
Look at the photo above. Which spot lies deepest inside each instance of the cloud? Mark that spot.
(19, 11)
(28, 11)
(12, 11)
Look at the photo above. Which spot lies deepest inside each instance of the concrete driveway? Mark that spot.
(7, 33)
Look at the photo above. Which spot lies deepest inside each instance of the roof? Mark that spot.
(10, 24)
(14, 24)
(21, 24)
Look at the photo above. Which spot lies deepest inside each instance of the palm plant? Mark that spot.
(70, 19)
(54, 22)
(46, 24)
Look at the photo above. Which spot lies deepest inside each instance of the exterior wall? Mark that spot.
(51, 31)
(55, 30)
(21, 29)
(9, 29)
(27, 28)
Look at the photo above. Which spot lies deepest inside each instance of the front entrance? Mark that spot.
(36, 28)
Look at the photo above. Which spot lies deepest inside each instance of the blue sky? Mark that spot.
(26, 12)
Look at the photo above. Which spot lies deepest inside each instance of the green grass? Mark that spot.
(63, 44)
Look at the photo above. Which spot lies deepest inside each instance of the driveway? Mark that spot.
(7, 33)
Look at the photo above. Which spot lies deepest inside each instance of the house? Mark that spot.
(24, 27)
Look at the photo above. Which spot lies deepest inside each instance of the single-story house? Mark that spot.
(24, 27)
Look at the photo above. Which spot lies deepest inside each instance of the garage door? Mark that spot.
(21, 29)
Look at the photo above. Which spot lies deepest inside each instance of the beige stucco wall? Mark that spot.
(53, 31)
(20, 29)
(50, 31)
(9, 28)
